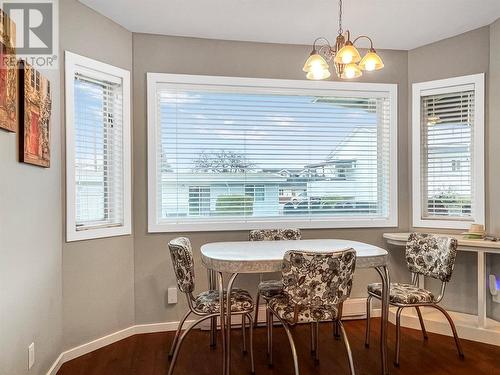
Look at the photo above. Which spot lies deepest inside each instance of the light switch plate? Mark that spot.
(31, 355)
(172, 295)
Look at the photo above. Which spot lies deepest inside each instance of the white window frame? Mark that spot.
(157, 80)
(74, 63)
(445, 86)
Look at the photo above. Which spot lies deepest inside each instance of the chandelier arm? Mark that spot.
(364, 36)
(321, 38)
(327, 51)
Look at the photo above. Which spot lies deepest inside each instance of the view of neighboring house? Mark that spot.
(269, 190)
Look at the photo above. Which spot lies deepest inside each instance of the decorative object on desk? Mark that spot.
(346, 58)
(494, 288)
(36, 104)
(475, 232)
(8, 74)
(491, 237)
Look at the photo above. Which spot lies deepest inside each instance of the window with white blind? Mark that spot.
(98, 175)
(448, 152)
(237, 153)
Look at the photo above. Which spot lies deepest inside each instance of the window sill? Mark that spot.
(90, 234)
(443, 224)
(271, 223)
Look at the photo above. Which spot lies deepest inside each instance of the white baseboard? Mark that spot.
(88, 347)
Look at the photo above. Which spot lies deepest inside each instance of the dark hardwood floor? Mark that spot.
(146, 354)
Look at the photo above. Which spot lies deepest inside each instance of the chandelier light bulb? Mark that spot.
(351, 71)
(371, 61)
(316, 67)
(347, 54)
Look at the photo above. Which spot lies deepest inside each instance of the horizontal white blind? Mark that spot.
(249, 156)
(447, 128)
(98, 121)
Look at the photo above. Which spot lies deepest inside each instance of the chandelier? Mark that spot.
(346, 58)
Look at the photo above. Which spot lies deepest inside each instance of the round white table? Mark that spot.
(266, 256)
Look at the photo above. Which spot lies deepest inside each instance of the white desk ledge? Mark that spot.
(464, 244)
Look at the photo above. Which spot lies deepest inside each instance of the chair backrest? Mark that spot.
(274, 234)
(314, 279)
(431, 255)
(182, 260)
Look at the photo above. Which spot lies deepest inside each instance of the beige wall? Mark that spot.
(98, 275)
(493, 136)
(30, 252)
(464, 54)
(154, 53)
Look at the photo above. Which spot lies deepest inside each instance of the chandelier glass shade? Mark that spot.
(346, 57)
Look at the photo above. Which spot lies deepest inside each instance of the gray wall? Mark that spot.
(98, 275)
(30, 252)
(464, 54)
(154, 53)
(493, 136)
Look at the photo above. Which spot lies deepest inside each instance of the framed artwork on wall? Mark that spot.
(9, 84)
(35, 106)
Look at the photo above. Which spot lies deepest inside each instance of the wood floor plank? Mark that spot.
(146, 354)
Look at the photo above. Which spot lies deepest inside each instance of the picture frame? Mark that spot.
(9, 83)
(35, 106)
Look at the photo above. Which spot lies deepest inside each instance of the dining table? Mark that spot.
(229, 259)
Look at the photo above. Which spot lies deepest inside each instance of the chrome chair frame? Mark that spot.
(417, 306)
(178, 339)
(314, 334)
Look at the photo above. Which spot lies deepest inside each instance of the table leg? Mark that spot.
(222, 320)
(384, 275)
(228, 317)
(212, 285)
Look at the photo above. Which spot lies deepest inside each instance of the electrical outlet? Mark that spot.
(172, 295)
(31, 355)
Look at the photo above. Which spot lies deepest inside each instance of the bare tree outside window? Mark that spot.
(222, 162)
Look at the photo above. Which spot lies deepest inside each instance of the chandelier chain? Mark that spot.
(341, 30)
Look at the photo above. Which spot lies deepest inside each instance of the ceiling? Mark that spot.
(393, 24)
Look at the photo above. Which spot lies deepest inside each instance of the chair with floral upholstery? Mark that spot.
(269, 288)
(427, 255)
(315, 284)
(206, 304)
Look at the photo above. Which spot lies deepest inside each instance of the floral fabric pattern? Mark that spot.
(293, 313)
(270, 288)
(431, 255)
(208, 302)
(314, 284)
(404, 294)
(182, 260)
(275, 234)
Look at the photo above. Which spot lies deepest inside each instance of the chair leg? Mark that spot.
(269, 338)
(347, 348)
(316, 338)
(336, 322)
(292, 347)
(313, 341)
(368, 315)
(257, 300)
(453, 329)
(243, 333)
(178, 346)
(177, 334)
(249, 316)
(398, 335)
(422, 325)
